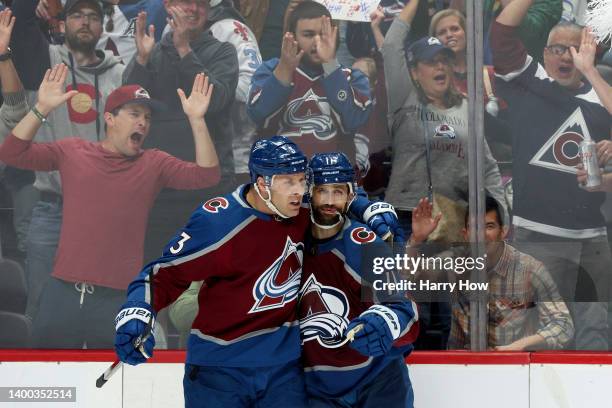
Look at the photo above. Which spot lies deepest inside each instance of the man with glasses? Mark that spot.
(552, 108)
(94, 74)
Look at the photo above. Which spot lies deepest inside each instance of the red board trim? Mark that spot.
(417, 357)
(552, 357)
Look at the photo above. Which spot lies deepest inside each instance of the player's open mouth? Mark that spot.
(565, 70)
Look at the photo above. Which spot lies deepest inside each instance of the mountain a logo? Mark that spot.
(446, 131)
(309, 114)
(280, 283)
(561, 151)
(326, 312)
(130, 31)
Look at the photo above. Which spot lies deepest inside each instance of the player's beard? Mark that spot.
(326, 219)
(76, 44)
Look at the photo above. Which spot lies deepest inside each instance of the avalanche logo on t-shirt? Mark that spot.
(561, 151)
(445, 131)
(280, 282)
(325, 310)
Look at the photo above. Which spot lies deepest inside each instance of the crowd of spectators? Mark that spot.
(110, 178)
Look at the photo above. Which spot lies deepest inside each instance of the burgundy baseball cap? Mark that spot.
(131, 94)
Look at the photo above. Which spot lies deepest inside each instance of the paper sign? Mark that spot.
(351, 10)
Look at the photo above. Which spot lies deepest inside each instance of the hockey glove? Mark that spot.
(380, 217)
(134, 334)
(381, 327)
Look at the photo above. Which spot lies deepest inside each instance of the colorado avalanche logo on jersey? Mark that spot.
(280, 283)
(214, 204)
(310, 114)
(361, 235)
(561, 151)
(325, 311)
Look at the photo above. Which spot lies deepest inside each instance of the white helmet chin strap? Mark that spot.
(268, 200)
(326, 227)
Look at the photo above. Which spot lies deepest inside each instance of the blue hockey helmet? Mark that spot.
(276, 155)
(328, 168)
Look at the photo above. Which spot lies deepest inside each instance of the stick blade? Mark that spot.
(101, 381)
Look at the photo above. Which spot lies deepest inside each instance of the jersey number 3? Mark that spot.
(179, 245)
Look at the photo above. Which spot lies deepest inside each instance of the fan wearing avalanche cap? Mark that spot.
(247, 247)
(307, 95)
(370, 370)
(109, 187)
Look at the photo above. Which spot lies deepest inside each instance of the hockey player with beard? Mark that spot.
(246, 330)
(307, 95)
(369, 371)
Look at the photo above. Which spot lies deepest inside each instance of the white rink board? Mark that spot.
(470, 386)
(81, 375)
(571, 385)
(157, 385)
(153, 385)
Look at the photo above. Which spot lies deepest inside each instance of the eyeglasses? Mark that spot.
(559, 49)
(91, 17)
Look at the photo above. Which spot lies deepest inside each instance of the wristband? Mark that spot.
(7, 55)
(39, 115)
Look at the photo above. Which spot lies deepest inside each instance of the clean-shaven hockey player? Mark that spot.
(369, 371)
(247, 246)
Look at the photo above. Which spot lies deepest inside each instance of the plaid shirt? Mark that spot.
(516, 284)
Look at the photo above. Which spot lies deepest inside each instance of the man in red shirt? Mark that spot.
(109, 188)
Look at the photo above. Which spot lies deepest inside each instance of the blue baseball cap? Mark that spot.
(426, 49)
